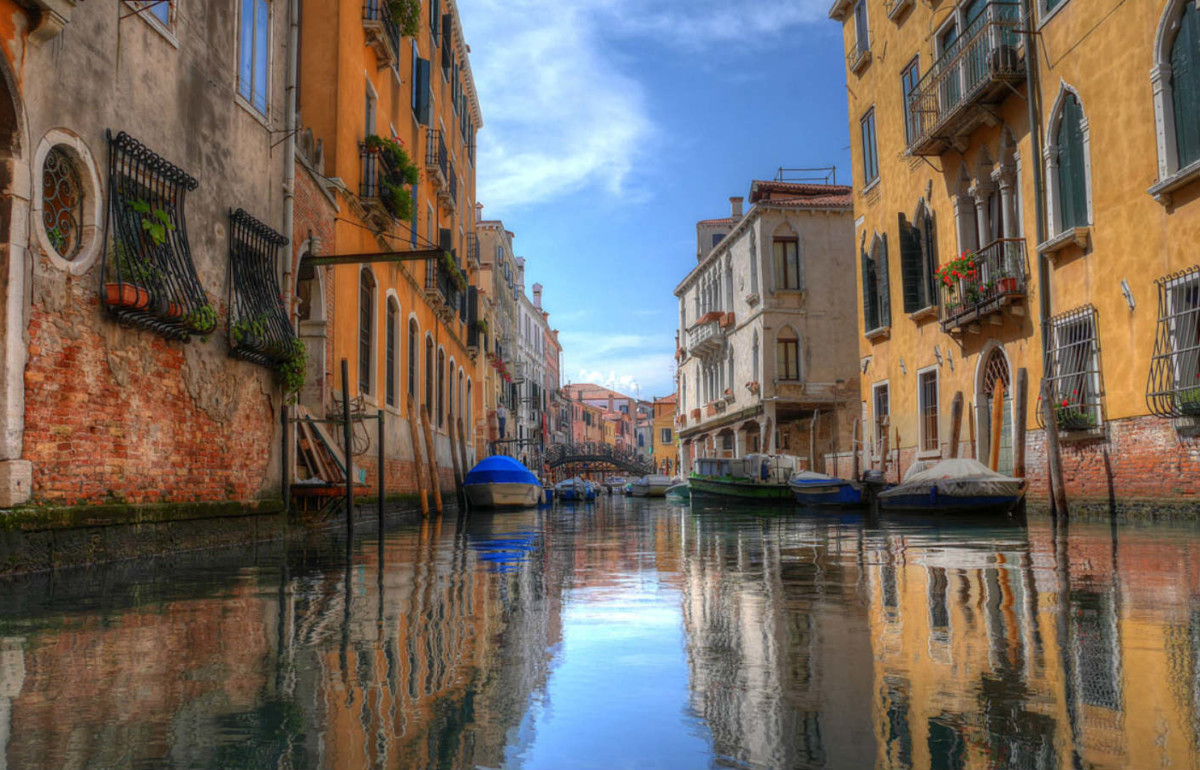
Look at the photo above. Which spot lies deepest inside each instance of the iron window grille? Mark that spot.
(378, 13)
(1173, 388)
(148, 279)
(62, 204)
(1073, 369)
(928, 386)
(257, 326)
(436, 155)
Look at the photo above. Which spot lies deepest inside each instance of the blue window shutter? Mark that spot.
(423, 91)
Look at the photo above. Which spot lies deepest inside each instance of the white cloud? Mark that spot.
(563, 110)
(629, 363)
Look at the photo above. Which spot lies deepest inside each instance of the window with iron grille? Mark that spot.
(1173, 389)
(259, 330)
(366, 329)
(148, 277)
(1073, 369)
(927, 385)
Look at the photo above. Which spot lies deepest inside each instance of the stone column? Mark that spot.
(964, 222)
(980, 191)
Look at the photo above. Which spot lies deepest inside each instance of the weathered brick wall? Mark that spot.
(114, 414)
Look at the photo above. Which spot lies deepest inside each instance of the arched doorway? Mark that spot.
(311, 328)
(994, 369)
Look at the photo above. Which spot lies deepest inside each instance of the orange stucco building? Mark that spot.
(404, 324)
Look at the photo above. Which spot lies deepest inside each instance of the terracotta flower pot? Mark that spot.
(174, 310)
(126, 295)
(1006, 285)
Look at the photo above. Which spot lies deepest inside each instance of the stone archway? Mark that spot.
(311, 326)
(994, 368)
(16, 474)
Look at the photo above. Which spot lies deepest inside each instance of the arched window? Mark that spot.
(414, 334)
(451, 401)
(392, 357)
(1068, 165)
(753, 261)
(877, 303)
(441, 388)
(787, 354)
(754, 360)
(462, 379)
(366, 328)
(787, 260)
(469, 427)
(428, 375)
(1175, 81)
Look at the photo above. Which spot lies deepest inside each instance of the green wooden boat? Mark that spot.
(755, 477)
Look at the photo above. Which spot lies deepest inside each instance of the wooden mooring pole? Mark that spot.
(855, 448)
(1020, 414)
(347, 453)
(956, 415)
(458, 472)
(418, 460)
(434, 480)
(462, 449)
(382, 472)
(997, 424)
(1058, 489)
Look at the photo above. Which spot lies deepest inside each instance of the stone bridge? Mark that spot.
(626, 459)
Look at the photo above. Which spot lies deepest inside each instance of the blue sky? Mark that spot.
(612, 126)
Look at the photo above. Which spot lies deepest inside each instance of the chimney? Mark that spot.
(610, 402)
(735, 207)
(537, 296)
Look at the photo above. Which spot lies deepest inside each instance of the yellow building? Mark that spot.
(396, 112)
(1046, 156)
(666, 451)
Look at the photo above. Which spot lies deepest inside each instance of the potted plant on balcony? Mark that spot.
(1189, 401)
(451, 267)
(396, 173)
(1072, 414)
(406, 14)
(1005, 283)
(134, 274)
(753, 386)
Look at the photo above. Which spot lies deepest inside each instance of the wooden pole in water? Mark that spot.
(855, 447)
(462, 449)
(458, 479)
(418, 460)
(382, 473)
(971, 429)
(347, 453)
(883, 451)
(997, 423)
(1058, 489)
(434, 480)
(812, 441)
(956, 415)
(1020, 401)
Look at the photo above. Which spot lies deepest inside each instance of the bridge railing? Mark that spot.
(625, 458)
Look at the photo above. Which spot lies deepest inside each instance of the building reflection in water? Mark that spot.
(809, 641)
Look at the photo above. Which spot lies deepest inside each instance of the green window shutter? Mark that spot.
(911, 267)
(929, 260)
(885, 296)
(1185, 85)
(870, 313)
(1078, 164)
(423, 91)
(1070, 166)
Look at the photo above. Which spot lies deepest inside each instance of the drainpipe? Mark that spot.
(1033, 102)
(289, 150)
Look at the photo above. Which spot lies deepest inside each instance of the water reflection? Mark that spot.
(626, 633)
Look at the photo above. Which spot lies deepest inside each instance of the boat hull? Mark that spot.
(649, 490)
(744, 490)
(678, 492)
(502, 496)
(926, 503)
(843, 495)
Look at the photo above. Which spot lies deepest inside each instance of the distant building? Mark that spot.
(766, 325)
(666, 450)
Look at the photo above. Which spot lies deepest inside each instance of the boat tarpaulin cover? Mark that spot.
(500, 470)
(962, 477)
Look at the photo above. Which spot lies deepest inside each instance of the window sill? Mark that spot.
(254, 113)
(870, 186)
(1080, 436)
(1076, 236)
(882, 333)
(860, 62)
(156, 25)
(924, 314)
(929, 454)
(1177, 181)
(898, 8)
(1044, 20)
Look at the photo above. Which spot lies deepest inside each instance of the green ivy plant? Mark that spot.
(203, 319)
(155, 222)
(451, 268)
(407, 15)
(1189, 401)
(397, 172)
(294, 366)
(249, 329)
(57, 239)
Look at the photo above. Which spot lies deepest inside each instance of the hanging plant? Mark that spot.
(294, 366)
(406, 14)
(396, 172)
(451, 268)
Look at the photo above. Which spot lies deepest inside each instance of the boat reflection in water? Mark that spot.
(630, 633)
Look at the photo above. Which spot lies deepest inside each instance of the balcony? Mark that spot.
(999, 282)
(978, 68)
(383, 33)
(858, 57)
(448, 195)
(437, 160)
(442, 289)
(473, 248)
(706, 337)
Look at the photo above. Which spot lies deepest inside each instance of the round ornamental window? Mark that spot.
(62, 204)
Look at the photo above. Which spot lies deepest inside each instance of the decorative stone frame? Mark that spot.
(922, 453)
(1170, 175)
(92, 224)
(1058, 237)
(401, 363)
(981, 364)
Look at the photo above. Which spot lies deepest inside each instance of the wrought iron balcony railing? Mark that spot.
(857, 56)
(372, 167)
(451, 198)
(437, 159)
(977, 67)
(997, 281)
(383, 33)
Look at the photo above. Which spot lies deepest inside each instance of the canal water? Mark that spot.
(629, 633)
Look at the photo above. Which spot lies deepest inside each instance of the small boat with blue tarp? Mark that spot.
(502, 482)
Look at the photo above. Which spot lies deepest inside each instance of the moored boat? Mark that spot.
(569, 490)
(501, 482)
(960, 485)
(754, 477)
(654, 485)
(821, 491)
(678, 491)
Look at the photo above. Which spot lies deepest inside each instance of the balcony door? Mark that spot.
(994, 371)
